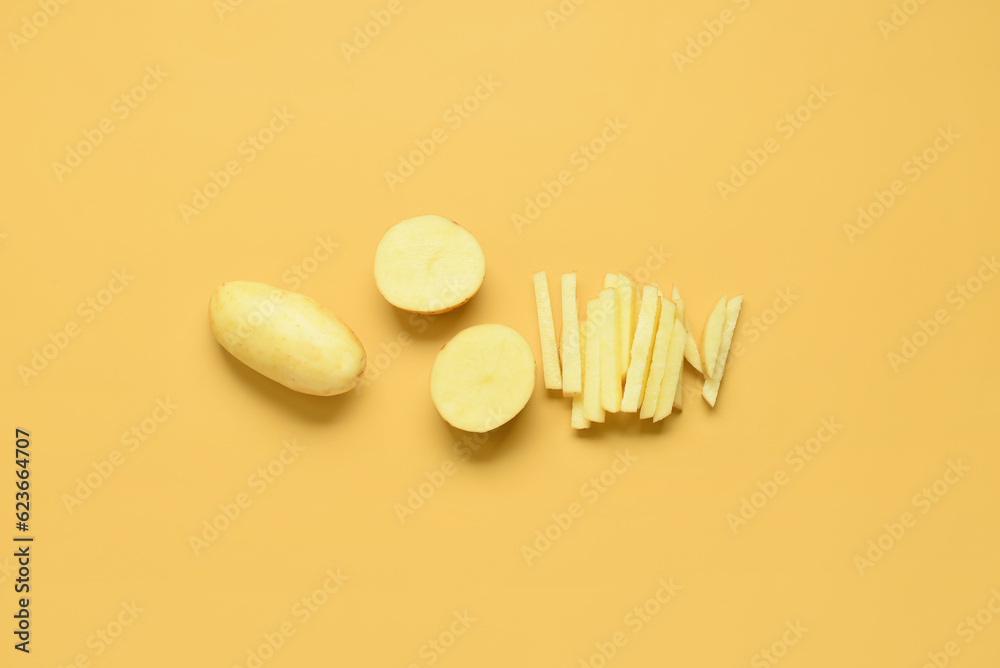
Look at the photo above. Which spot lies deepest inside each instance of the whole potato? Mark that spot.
(288, 337)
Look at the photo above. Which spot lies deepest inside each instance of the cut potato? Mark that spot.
(681, 315)
(713, 336)
(691, 353)
(546, 330)
(658, 365)
(641, 354)
(578, 416)
(628, 313)
(428, 264)
(611, 374)
(290, 338)
(483, 377)
(592, 369)
(572, 359)
(675, 363)
(711, 388)
(611, 281)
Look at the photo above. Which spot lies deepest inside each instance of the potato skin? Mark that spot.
(290, 338)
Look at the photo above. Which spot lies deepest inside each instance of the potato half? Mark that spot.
(483, 377)
(428, 264)
(288, 337)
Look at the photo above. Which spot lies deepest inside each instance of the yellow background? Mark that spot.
(655, 186)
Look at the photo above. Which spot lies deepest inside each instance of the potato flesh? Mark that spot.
(290, 338)
(592, 409)
(691, 353)
(428, 264)
(681, 315)
(658, 365)
(572, 359)
(628, 312)
(578, 415)
(713, 336)
(641, 354)
(675, 363)
(551, 373)
(710, 391)
(611, 374)
(483, 377)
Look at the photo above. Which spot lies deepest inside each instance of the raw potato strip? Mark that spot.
(691, 353)
(611, 374)
(628, 312)
(658, 366)
(713, 336)
(578, 419)
(711, 388)
(546, 329)
(642, 350)
(572, 371)
(679, 390)
(592, 370)
(675, 364)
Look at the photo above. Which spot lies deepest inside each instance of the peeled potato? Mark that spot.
(483, 377)
(288, 337)
(712, 338)
(428, 264)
